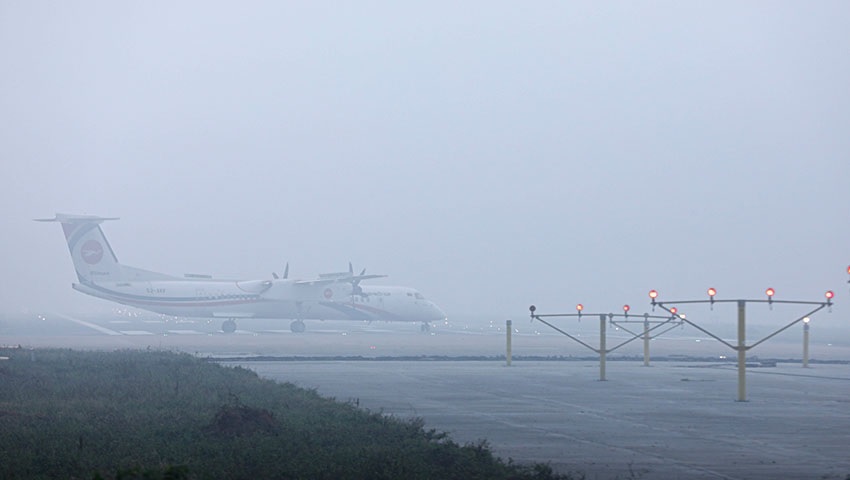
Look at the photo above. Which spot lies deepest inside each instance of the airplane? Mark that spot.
(331, 296)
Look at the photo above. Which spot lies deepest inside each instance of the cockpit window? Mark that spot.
(419, 296)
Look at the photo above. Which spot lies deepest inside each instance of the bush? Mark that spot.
(160, 415)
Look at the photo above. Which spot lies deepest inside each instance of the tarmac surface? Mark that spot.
(676, 419)
(671, 420)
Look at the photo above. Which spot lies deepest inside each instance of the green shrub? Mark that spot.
(159, 415)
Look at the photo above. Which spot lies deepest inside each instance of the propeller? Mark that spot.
(285, 273)
(355, 281)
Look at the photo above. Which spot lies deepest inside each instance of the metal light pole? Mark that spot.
(742, 348)
(646, 340)
(806, 342)
(509, 329)
(603, 349)
(742, 351)
(646, 329)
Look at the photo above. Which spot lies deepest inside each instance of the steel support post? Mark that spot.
(645, 342)
(509, 330)
(602, 348)
(805, 344)
(742, 351)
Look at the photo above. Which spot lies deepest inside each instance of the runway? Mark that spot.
(668, 421)
(123, 328)
(674, 419)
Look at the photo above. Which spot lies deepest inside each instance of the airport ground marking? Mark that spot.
(89, 324)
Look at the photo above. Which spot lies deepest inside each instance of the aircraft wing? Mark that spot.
(345, 279)
(321, 281)
(357, 278)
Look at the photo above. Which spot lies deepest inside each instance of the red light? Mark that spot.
(579, 307)
(712, 292)
(829, 294)
(769, 292)
(848, 269)
(626, 308)
(653, 294)
(674, 310)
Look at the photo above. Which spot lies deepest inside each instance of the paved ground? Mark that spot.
(133, 329)
(670, 420)
(667, 421)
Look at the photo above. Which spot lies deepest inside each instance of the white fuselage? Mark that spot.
(332, 296)
(280, 298)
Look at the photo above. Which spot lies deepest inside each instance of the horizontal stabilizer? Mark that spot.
(70, 218)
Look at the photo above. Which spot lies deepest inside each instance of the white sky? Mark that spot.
(490, 154)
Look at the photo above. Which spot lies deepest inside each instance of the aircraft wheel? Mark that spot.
(426, 327)
(228, 326)
(297, 326)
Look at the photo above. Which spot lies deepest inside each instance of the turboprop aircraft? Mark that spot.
(333, 296)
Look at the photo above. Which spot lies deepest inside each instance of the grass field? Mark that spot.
(152, 414)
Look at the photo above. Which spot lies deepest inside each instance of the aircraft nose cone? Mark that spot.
(438, 312)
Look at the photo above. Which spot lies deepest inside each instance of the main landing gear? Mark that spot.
(228, 326)
(425, 328)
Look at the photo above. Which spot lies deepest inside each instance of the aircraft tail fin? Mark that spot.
(94, 259)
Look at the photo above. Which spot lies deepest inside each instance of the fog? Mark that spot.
(490, 154)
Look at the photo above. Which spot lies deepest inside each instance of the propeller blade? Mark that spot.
(356, 279)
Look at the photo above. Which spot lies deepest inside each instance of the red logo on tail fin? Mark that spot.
(92, 252)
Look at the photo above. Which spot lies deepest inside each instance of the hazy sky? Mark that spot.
(490, 154)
